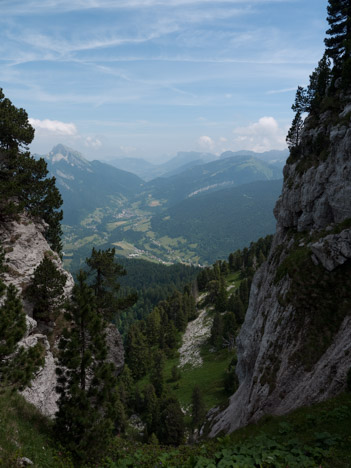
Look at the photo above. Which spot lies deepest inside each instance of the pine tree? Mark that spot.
(319, 82)
(294, 134)
(104, 273)
(198, 409)
(24, 186)
(172, 427)
(217, 330)
(235, 305)
(17, 365)
(46, 290)
(137, 351)
(125, 385)
(86, 383)
(221, 299)
(339, 41)
(231, 381)
(157, 373)
(153, 324)
(151, 408)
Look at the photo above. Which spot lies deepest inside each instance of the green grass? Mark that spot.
(209, 377)
(314, 436)
(318, 436)
(24, 432)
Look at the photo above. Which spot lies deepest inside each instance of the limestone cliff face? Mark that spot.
(25, 247)
(295, 345)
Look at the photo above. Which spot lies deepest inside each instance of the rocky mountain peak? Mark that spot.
(70, 156)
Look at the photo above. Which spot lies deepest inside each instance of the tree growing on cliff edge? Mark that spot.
(104, 273)
(17, 364)
(46, 290)
(24, 186)
(86, 382)
(339, 41)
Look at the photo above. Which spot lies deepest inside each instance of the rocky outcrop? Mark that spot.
(25, 247)
(294, 347)
(115, 353)
(41, 392)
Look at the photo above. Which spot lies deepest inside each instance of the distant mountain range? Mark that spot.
(230, 171)
(187, 159)
(196, 212)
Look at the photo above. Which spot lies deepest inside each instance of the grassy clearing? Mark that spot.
(166, 241)
(24, 432)
(142, 226)
(233, 278)
(111, 226)
(95, 239)
(95, 217)
(209, 377)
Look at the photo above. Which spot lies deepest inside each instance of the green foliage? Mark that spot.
(172, 427)
(24, 185)
(137, 352)
(315, 436)
(319, 83)
(16, 133)
(157, 373)
(339, 41)
(231, 381)
(25, 432)
(86, 383)
(293, 138)
(104, 273)
(46, 290)
(211, 220)
(17, 365)
(198, 408)
(312, 293)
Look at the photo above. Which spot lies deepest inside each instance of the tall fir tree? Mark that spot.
(172, 427)
(157, 372)
(339, 41)
(87, 405)
(46, 290)
(320, 80)
(24, 186)
(198, 409)
(104, 273)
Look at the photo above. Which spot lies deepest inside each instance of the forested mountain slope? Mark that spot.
(215, 175)
(222, 221)
(87, 185)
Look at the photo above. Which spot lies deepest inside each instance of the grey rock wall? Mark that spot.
(25, 247)
(313, 202)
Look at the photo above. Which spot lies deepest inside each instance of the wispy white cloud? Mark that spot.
(32, 6)
(280, 91)
(65, 47)
(54, 126)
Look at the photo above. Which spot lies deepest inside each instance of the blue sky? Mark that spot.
(148, 78)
